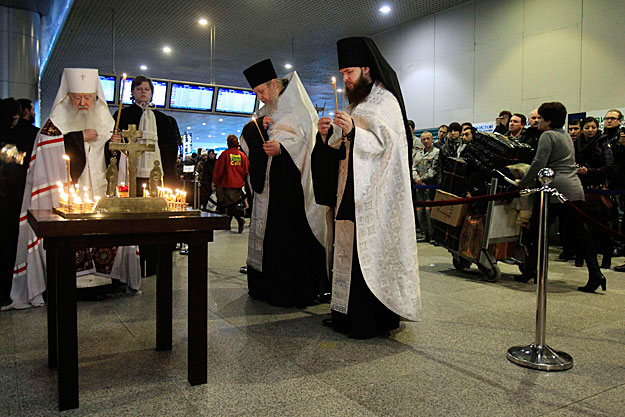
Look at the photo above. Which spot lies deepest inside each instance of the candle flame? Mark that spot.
(65, 157)
(333, 80)
(59, 184)
(124, 75)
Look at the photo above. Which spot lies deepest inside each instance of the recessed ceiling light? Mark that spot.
(166, 49)
(143, 67)
(288, 66)
(221, 120)
(204, 124)
(203, 22)
(385, 9)
(188, 127)
(339, 90)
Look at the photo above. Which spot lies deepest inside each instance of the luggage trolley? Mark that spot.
(499, 227)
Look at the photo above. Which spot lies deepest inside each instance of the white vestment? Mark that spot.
(46, 168)
(385, 227)
(295, 127)
(147, 126)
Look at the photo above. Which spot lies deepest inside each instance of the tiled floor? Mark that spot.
(270, 361)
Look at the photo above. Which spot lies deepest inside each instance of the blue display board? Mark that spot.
(191, 97)
(108, 85)
(233, 100)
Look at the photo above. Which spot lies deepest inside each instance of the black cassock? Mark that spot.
(366, 315)
(167, 139)
(294, 267)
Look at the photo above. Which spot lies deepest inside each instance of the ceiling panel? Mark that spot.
(301, 32)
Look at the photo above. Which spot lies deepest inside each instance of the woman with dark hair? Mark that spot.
(595, 162)
(556, 151)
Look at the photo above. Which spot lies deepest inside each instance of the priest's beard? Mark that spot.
(359, 92)
(82, 120)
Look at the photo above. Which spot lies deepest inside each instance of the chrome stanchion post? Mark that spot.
(538, 355)
(196, 191)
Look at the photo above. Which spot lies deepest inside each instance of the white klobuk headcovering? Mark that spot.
(81, 81)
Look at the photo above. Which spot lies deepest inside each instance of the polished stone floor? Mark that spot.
(268, 361)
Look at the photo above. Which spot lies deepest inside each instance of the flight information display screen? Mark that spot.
(108, 85)
(191, 97)
(232, 100)
(158, 95)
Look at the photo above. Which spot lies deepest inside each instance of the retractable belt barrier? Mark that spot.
(579, 213)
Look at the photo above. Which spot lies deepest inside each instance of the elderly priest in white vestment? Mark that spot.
(375, 277)
(80, 126)
(288, 233)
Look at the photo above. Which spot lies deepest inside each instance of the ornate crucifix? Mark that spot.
(133, 151)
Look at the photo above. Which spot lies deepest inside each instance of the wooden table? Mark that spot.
(62, 237)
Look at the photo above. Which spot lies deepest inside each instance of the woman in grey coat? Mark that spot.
(556, 151)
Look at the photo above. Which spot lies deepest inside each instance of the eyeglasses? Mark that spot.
(611, 118)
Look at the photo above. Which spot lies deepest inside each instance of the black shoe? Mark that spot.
(434, 243)
(606, 262)
(620, 268)
(329, 322)
(579, 262)
(595, 281)
(423, 240)
(566, 256)
(325, 297)
(243, 269)
(241, 222)
(524, 278)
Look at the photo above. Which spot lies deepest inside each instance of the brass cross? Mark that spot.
(133, 151)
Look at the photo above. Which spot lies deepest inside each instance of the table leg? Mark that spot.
(51, 290)
(198, 315)
(67, 328)
(164, 296)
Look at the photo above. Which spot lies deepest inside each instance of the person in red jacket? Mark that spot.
(229, 177)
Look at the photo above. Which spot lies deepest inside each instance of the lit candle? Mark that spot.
(336, 100)
(69, 176)
(258, 127)
(144, 185)
(119, 112)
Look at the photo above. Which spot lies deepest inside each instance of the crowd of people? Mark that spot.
(599, 159)
(332, 213)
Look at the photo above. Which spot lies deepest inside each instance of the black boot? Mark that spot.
(579, 261)
(595, 277)
(241, 222)
(606, 262)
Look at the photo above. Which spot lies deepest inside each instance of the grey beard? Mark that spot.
(82, 120)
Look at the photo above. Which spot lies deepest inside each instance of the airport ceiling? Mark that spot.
(119, 36)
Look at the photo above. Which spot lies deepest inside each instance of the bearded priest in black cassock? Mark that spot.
(157, 129)
(288, 230)
(375, 277)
